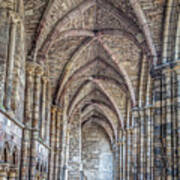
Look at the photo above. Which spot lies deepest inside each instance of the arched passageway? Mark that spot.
(97, 155)
(90, 89)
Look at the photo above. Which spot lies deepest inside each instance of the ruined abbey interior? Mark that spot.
(89, 89)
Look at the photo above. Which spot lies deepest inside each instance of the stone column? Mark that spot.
(177, 70)
(115, 148)
(44, 99)
(4, 43)
(10, 66)
(66, 166)
(121, 154)
(152, 143)
(52, 142)
(64, 145)
(74, 160)
(36, 117)
(158, 151)
(131, 166)
(25, 157)
(128, 149)
(169, 170)
(128, 153)
(9, 17)
(174, 127)
(124, 155)
(15, 95)
(57, 140)
(149, 153)
(135, 116)
(19, 71)
(48, 111)
(80, 150)
(142, 131)
(81, 172)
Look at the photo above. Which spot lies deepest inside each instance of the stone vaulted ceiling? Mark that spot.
(95, 50)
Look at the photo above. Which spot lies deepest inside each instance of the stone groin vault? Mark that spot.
(89, 90)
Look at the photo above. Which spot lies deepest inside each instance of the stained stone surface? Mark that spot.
(116, 63)
(96, 153)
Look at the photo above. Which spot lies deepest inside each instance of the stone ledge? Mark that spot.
(18, 123)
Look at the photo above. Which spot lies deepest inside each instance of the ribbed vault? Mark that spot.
(94, 51)
(89, 84)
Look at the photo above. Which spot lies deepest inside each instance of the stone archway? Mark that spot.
(97, 155)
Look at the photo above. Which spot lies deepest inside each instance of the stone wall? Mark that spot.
(97, 155)
(90, 91)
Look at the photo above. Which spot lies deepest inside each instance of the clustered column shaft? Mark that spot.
(178, 118)
(30, 69)
(10, 64)
(35, 121)
(44, 99)
(52, 142)
(149, 155)
(57, 147)
(158, 151)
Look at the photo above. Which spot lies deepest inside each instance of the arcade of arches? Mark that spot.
(89, 89)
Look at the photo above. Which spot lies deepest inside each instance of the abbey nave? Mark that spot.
(89, 89)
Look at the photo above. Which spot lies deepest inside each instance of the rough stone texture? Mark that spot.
(154, 11)
(107, 68)
(97, 155)
(33, 13)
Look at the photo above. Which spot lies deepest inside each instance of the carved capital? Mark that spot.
(53, 109)
(39, 71)
(59, 110)
(30, 68)
(15, 17)
(177, 69)
(45, 79)
(115, 147)
(167, 71)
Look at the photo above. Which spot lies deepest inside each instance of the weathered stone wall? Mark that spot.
(12, 58)
(74, 160)
(91, 90)
(97, 155)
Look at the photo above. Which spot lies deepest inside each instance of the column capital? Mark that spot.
(15, 17)
(59, 110)
(44, 79)
(167, 71)
(30, 67)
(39, 70)
(115, 146)
(54, 109)
(177, 68)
